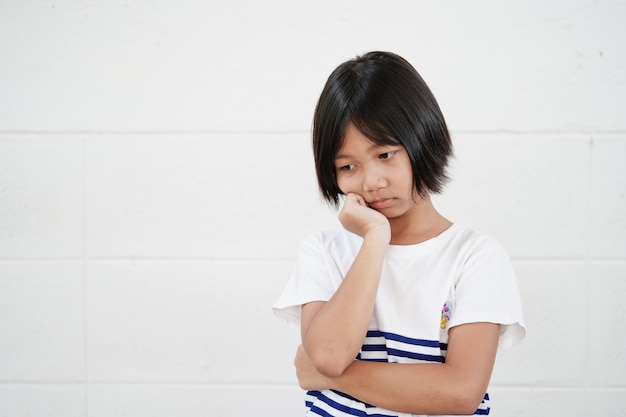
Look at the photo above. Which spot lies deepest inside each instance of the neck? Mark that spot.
(423, 222)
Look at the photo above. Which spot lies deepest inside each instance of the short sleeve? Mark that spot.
(487, 291)
(312, 279)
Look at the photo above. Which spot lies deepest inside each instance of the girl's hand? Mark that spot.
(308, 377)
(357, 217)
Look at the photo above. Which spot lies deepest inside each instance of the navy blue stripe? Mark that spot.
(485, 411)
(415, 356)
(359, 357)
(398, 353)
(352, 411)
(349, 397)
(320, 412)
(407, 340)
(373, 348)
(337, 406)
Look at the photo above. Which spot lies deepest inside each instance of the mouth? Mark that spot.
(381, 203)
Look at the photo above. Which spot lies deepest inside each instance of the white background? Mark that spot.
(156, 179)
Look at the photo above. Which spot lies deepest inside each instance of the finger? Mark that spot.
(357, 199)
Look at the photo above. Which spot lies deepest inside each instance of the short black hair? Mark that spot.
(386, 99)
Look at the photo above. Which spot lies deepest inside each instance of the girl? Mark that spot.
(402, 311)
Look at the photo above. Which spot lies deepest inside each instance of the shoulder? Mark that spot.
(481, 259)
(331, 247)
(475, 252)
(471, 242)
(333, 240)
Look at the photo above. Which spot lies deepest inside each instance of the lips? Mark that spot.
(381, 203)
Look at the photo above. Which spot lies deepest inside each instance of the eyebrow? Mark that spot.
(372, 147)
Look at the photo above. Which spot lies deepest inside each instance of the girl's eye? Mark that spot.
(346, 167)
(386, 155)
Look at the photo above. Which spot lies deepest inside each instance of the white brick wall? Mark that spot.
(156, 179)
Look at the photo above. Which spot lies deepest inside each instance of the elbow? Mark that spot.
(329, 365)
(466, 402)
(331, 371)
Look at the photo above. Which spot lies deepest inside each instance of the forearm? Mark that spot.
(409, 388)
(334, 336)
(454, 387)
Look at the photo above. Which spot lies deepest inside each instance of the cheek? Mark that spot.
(346, 185)
(408, 180)
(407, 175)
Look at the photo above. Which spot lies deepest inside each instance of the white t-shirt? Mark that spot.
(425, 289)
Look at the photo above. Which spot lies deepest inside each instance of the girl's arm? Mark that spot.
(454, 387)
(333, 331)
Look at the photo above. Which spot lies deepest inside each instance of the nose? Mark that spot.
(373, 181)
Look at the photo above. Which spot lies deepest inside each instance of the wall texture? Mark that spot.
(156, 179)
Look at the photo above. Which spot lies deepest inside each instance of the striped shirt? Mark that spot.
(425, 289)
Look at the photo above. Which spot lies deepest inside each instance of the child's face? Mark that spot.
(382, 175)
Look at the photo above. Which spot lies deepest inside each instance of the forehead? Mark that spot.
(354, 142)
